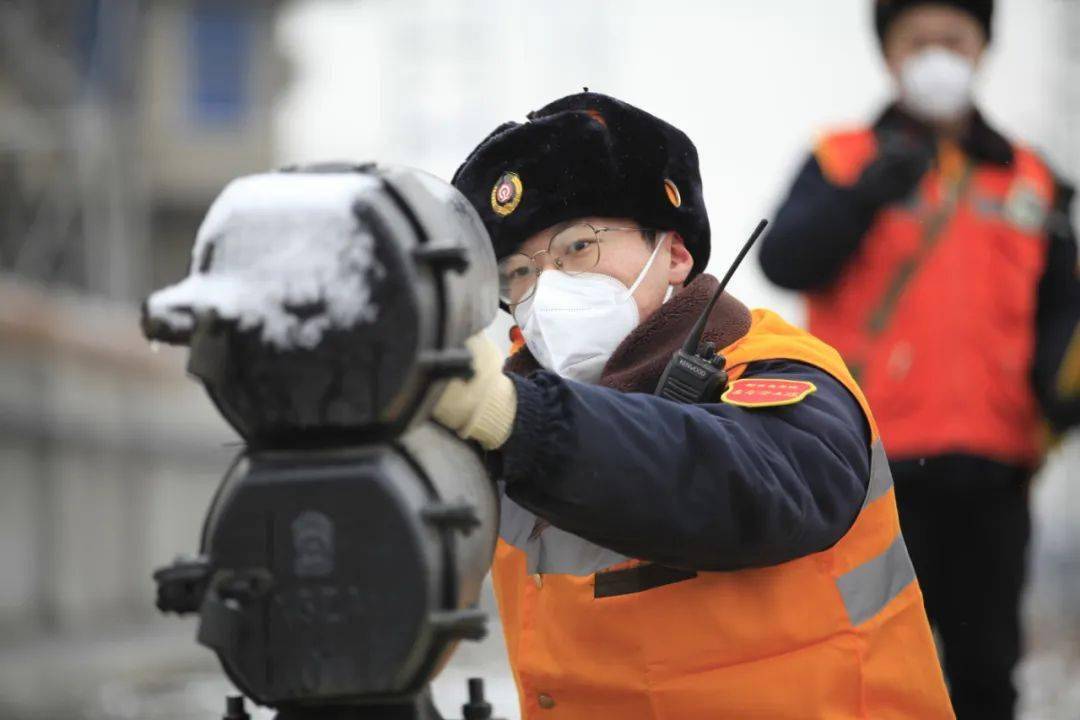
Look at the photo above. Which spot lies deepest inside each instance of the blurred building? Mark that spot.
(120, 120)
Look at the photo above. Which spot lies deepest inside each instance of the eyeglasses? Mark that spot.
(573, 250)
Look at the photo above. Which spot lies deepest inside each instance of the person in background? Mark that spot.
(937, 256)
(735, 555)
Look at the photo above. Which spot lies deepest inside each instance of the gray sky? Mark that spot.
(421, 82)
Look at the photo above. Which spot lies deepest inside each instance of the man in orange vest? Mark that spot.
(733, 557)
(938, 259)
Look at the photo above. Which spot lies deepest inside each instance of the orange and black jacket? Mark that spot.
(819, 237)
(721, 559)
(708, 486)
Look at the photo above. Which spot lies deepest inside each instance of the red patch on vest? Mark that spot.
(767, 392)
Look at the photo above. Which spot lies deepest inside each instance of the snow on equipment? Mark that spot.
(342, 557)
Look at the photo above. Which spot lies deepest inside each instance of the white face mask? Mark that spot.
(573, 323)
(937, 84)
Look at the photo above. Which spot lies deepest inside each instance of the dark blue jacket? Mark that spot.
(707, 487)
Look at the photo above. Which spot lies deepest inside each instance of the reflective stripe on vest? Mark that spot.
(551, 550)
(870, 587)
(880, 474)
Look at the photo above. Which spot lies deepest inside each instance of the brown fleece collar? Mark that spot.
(640, 359)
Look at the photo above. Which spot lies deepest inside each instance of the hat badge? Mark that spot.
(673, 195)
(506, 194)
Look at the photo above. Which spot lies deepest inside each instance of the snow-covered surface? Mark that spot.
(279, 241)
(438, 189)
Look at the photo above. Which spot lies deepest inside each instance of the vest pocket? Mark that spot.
(637, 579)
(821, 680)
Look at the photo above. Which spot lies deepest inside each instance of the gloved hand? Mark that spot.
(483, 407)
(901, 162)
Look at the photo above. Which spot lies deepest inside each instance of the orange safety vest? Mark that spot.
(837, 634)
(949, 369)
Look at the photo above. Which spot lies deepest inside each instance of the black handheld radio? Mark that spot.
(696, 371)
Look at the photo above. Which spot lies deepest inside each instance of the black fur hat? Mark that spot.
(586, 154)
(885, 11)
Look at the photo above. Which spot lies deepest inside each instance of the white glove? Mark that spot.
(483, 407)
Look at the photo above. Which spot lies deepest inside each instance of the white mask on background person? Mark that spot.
(937, 84)
(573, 323)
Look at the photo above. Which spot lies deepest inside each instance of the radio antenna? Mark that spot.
(693, 340)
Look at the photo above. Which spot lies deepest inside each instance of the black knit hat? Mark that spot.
(885, 11)
(586, 154)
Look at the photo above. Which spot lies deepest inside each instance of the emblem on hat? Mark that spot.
(672, 190)
(506, 195)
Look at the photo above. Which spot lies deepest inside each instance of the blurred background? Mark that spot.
(120, 120)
